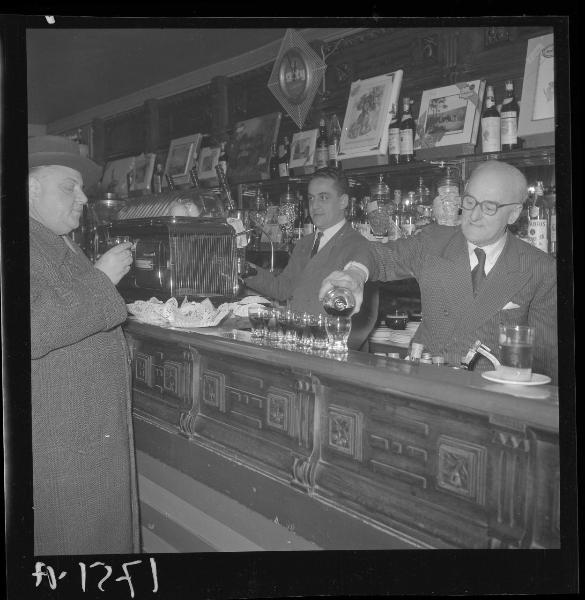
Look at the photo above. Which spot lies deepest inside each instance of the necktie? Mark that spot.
(478, 272)
(316, 243)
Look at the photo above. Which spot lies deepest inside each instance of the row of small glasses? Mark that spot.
(294, 330)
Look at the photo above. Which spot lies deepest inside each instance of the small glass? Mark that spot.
(256, 321)
(305, 338)
(318, 331)
(272, 326)
(516, 347)
(338, 330)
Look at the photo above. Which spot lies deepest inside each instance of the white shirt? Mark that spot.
(492, 253)
(329, 233)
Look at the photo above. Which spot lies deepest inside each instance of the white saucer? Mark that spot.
(537, 379)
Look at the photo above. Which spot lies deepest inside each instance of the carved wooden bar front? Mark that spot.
(419, 456)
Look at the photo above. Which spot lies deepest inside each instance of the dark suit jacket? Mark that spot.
(300, 281)
(452, 317)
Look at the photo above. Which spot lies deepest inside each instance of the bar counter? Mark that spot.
(360, 453)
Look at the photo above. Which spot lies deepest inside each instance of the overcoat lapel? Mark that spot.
(332, 246)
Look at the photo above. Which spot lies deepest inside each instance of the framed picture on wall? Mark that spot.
(536, 122)
(449, 116)
(207, 162)
(249, 148)
(115, 177)
(181, 157)
(302, 155)
(143, 170)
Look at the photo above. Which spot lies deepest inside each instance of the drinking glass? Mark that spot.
(305, 338)
(256, 321)
(272, 325)
(318, 331)
(283, 317)
(338, 329)
(516, 345)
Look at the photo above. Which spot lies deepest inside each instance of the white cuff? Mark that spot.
(357, 265)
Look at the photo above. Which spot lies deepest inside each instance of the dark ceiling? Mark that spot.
(70, 70)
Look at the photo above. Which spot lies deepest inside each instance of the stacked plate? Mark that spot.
(399, 337)
(380, 334)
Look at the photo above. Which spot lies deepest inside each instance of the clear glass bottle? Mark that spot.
(408, 216)
(286, 213)
(379, 208)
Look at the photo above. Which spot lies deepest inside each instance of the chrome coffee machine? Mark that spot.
(183, 246)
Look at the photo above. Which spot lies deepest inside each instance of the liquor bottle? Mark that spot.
(394, 137)
(298, 229)
(538, 220)
(273, 162)
(158, 179)
(408, 216)
(322, 147)
(490, 124)
(194, 178)
(170, 183)
(284, 158)
(308, 226)
(551, 201)
(223, 158)
(334, 138)
(406, 133)
(509, 119)
(351, 214)
(225, 188)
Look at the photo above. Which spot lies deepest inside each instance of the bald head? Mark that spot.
(500, 184)
(508, 179)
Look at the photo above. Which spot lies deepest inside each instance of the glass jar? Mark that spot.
(286, 213)
(447, 204)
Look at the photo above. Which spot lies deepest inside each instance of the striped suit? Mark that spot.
(452, 317)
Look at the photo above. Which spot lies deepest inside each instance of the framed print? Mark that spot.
(302, 153)
(536, 122)
(115, 177)
(449, 115)
(365, 126)
(207, 162)
(249, 148)
(182, 154)
(296, 75)
(143, 170)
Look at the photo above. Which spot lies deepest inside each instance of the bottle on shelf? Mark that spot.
(225, 189)
(538, 219)
(273, 162)
(394, 137)
(407, 130)
(298, 228)
(551, 202)
(170, 183)
(351, 213)
(308, 226)
(490, 124)
(284, 157)
(509, 119)
(447, 203)
(223, 158)
(157, 179)
(423, 205)
(408, 216)
(322, 147)
(334, 138)
(193, 176)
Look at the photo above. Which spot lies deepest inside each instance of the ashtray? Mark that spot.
(397, 320)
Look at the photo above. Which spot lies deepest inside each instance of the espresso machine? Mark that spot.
(183, 245)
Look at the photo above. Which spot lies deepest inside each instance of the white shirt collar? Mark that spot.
(330, 232)
(492, 253)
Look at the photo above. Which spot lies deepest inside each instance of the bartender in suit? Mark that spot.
(333, 246)
(472, 277)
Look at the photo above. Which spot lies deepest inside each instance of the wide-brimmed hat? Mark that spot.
(58, 150)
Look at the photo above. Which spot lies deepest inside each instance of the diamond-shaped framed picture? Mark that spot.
(297, 73)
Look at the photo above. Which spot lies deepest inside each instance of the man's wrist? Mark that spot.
(358, 271)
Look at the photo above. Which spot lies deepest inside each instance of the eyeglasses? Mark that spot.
(487, 207)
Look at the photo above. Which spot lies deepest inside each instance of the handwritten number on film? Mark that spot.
(42, 570)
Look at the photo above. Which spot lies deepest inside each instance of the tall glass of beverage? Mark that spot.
(516, 344)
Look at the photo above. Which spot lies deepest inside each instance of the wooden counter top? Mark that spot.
(536, 406)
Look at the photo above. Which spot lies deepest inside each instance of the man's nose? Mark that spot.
(476, 212)
(81, 197)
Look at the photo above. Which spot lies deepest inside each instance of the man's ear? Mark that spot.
(344, 200)
(515, 213)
